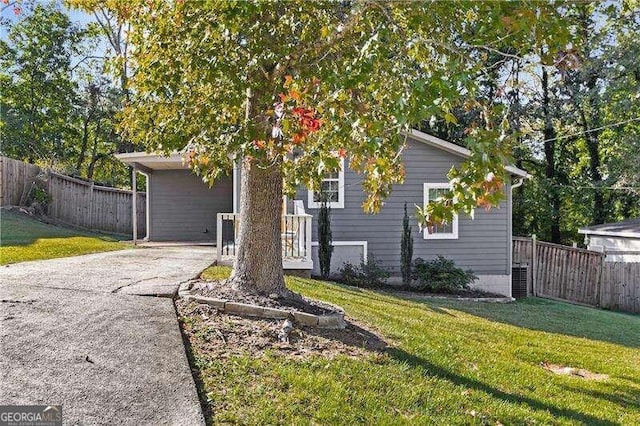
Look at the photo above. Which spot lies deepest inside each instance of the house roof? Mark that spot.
(458, 150)
(626, 228)
(175, 161)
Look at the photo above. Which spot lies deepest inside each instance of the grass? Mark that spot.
(23, 238)
(449, 362)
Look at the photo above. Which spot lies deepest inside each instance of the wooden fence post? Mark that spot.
(219, 238)
(91, 205)
(599, 278)
(534, 266)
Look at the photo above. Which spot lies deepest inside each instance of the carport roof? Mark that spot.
(144, 160)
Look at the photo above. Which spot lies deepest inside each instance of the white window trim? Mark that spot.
(333, 204)
(364, 244)
(454, 225)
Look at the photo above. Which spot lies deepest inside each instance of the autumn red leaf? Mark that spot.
(298, 138)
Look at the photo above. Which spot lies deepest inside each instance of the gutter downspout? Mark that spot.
(517, 185)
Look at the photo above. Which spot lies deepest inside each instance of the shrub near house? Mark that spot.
(440, 275)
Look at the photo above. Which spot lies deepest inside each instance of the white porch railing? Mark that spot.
(295, 232)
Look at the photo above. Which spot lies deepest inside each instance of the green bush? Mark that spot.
(40, 195)
(370, 274)
(440, 275)
(39, 199)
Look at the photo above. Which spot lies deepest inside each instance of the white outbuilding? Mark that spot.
(619, 240)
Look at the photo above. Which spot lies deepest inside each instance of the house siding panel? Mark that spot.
(483, 243)
(183, 208)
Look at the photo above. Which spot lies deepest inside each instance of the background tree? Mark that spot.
(580, 152)
(289, 88)
(38, 90)
(579, 175)
(58, 104)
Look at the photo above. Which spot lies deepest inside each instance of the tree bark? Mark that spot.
(85, 142)
(94, 153)
(257, 267)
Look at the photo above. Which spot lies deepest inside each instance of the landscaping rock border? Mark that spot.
(462, 299)
(332, 321)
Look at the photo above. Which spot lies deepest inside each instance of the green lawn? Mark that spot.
(449, 362)
(24, 238)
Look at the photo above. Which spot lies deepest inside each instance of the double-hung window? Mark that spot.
(444, 231)
(332, 190)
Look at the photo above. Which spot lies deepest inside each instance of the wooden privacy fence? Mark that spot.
(73, 201)
(578, 275)
(15, 179)
(79, 203)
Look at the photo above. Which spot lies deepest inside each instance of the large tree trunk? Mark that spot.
(258, 264)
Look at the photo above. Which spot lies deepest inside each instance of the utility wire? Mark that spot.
(593, 130)
(622, 188)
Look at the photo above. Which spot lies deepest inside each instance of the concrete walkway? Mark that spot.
(76, 332)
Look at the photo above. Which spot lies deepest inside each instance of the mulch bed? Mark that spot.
(222, 290)
(222, 336)
(458, 294)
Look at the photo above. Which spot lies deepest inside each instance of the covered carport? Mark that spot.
(180, 206)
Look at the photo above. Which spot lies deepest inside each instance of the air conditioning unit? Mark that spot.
(519, 281)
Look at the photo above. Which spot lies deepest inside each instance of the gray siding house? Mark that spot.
(183, 208)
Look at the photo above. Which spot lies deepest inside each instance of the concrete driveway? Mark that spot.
(76, 332)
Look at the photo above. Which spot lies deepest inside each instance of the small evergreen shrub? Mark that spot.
(371, 274)
(440, 275)
(325, 240)
(406, 249)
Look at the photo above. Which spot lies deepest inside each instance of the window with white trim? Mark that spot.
(444, 231)
(332, 189)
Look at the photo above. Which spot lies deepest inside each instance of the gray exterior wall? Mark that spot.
(183, 208)
(483, 244)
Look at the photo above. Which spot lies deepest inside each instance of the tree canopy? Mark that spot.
(58, 103)
(301, 84)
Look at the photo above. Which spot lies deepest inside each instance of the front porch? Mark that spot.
(295, 231)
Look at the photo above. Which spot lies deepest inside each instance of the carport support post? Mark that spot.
(134, 204)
